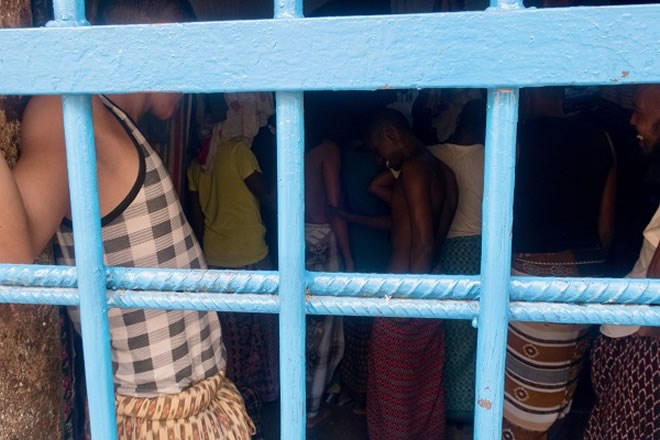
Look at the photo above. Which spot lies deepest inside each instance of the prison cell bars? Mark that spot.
(534, 299)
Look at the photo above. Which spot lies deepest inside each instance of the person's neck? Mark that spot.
(412, 146)
(133, 104)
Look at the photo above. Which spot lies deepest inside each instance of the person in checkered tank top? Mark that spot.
(169, 366)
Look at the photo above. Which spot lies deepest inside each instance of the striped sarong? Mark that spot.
(209, 410)
(626, 378)
(405, 397)
(544, 361)
(324, 334)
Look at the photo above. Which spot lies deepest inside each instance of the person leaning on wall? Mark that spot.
(162, 359)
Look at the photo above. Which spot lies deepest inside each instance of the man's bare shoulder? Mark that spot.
(326, 150)
(416, 167)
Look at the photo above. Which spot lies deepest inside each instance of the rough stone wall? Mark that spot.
(30, 380)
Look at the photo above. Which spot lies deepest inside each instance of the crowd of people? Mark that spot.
(393, 184)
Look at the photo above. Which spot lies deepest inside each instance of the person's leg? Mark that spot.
(626, 377)
(405, 397)
(542, 367)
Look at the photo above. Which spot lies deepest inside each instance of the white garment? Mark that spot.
(246, 114)
(467, 162)
(651, 239)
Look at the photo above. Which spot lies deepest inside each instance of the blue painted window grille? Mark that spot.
(503, 48)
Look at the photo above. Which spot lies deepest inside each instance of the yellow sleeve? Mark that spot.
(246, 161)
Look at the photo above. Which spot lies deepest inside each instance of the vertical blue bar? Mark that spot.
(290, 177)
(83, 189)
(288, 8)
(69, 11)
(291, 231)
(496, 257)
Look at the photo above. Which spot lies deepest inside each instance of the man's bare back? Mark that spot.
(323, 190)
(319, 161)
(411, 246)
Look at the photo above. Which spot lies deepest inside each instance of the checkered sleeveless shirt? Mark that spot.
(153, 351)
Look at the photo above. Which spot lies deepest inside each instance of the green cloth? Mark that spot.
(460, 256)
(370, 247)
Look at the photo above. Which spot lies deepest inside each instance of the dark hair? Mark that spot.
(381, 118)
(144, 11)
(472, 120)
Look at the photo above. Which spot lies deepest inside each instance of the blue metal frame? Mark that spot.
(503, 48)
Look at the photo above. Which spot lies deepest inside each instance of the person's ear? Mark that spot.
(390, 133)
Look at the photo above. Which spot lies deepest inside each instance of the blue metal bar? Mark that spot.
(244, 302)
(69, 12)
(516, 48)
(291, 226)
(451, 287)
(349, 306)
(193, 280)
(39, 295)
(83, 188)
(496, 255)
(585, 314)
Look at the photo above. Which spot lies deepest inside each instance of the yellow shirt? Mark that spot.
(233, 230)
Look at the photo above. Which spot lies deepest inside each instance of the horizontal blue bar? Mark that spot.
(347, 306)
(571, 46)
(565, 290)
(40, 295)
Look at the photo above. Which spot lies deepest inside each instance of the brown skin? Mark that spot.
(323, 194)
(423, 198)
(36, 193)
(646, 120)
(646, 116)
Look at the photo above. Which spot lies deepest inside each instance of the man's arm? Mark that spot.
(382, 222)
(382, 185)
(35, 195)
(331, 167)
(415, 183)
(257, 185)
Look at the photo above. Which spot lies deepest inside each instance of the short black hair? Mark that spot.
(473, 119)
(379, 119)
(144, 11)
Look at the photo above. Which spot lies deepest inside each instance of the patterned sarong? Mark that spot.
(626, 378)
(460, 256)
(252, 346)
(544, 361)
(405, 398)
(210, 410)
(325, 334)
(354, 368)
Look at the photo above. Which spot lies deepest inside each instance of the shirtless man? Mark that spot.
(162, 358)
(325, 238)
(405, 386)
